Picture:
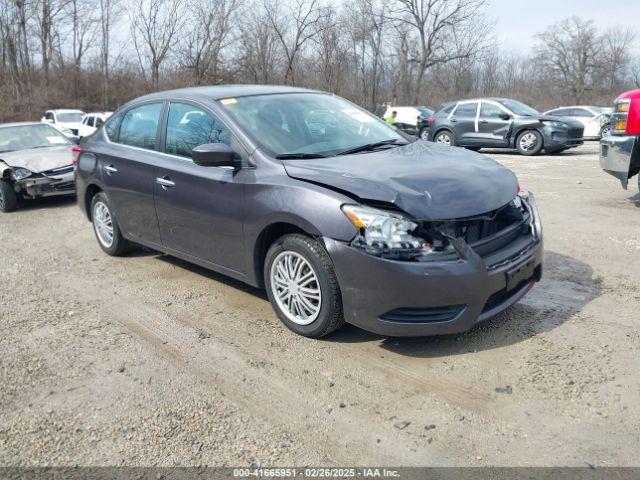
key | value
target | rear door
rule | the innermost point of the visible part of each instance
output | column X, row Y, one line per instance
column 199, row 208
column 463, row 122
column 128, row 170
column 492, row 129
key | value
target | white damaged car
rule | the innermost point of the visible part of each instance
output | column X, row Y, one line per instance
column 36, row 160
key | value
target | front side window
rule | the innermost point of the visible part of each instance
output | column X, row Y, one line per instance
column 189, row 126
column 489, row 110
column 140, row 126
column 307, row 123
column 466, row 110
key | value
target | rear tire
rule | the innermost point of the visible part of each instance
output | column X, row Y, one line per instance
column 445, row 137
column 8, row 197
column 105, row 226
column 529, row 142
column 605, row 131
column 302, row 286
column 424, row 133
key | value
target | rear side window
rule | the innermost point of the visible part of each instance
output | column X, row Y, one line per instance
column 140, row 126
column 189, row 126
column 466, row 110
column 112, row 127
column 581, row 112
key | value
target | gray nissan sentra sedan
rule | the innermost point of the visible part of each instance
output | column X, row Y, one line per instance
column 336, row 214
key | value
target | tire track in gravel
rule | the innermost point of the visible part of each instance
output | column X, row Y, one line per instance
column 266, row 396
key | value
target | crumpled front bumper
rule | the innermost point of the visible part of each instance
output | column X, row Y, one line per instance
column 45, row 186
column 398, row 298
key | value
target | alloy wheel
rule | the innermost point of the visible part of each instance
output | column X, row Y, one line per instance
column 296, row 287
column 424, row 135
column 103, row 224
column 444, row 139
column 605, row 131
column 528, row 142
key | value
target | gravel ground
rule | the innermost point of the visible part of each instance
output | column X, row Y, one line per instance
column 147, row 360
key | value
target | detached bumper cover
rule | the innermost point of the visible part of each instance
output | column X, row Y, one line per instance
column 561, row 138
column 45, row 186
column 620, row 157
column 399, row 298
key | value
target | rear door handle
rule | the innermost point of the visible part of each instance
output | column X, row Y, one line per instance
column 484, row 121
column 110, row 169
column 165, row 182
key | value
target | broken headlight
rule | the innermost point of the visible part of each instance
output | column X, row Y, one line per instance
column 386, row 234
column 21, row 173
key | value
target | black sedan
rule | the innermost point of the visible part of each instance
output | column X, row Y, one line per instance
column 503, row 123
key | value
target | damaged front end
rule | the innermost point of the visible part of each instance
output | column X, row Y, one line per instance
column 58, row 181
column 391, row 234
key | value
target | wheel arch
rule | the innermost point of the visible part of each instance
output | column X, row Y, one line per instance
column 521, row 130
column 268, row 236
column 91, row 191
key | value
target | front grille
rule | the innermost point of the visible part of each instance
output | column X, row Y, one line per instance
column 58, row 171
column 423, row 315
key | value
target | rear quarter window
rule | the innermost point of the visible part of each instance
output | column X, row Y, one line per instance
column 112, row 126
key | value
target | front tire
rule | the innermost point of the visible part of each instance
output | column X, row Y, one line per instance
column 445, row 137
column 8, row 197
column 529, row 142
column 605, row 131
column 106, row 227
column 302, row 286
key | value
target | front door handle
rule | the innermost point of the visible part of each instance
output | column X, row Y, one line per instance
column 454, row 120
column 110, row 169
column 165, row 182
column 484, row 121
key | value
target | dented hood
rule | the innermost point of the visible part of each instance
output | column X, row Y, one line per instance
column 39, row 159
column 424, row 179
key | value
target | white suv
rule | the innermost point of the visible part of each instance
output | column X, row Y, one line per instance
column 91, row 122
column 64, row 119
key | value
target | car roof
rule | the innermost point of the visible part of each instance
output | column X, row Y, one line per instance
column 219, row 92
column 65, row 110
column 20, row 124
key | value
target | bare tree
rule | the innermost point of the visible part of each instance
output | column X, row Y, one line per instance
column 83, row 33
column 295, row 24
column 445, row 30
column 569, row 51
column 260, row 52
column 616, row 53
column 110, row 11
column 155, row 25
column 211, row 33
column 47, row 14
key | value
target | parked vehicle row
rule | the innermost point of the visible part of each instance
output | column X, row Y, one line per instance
column 503, row 123
column 75, row 124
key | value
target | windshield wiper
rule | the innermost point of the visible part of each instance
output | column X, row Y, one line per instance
column 299, row 155
column 370, row 146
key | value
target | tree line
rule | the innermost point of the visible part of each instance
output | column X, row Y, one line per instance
column 97, row 54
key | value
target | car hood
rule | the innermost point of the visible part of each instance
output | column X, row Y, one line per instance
column 426, row 180
column 569, row 121
column 39, row 159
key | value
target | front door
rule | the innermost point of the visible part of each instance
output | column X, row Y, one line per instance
column 492, row 128
column 128, row 171
column 199, row 208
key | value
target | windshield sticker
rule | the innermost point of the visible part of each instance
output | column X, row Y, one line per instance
column 228, row 101
column 358, row 115
column 59, row 140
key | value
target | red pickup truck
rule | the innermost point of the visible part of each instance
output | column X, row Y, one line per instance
column 620, row 151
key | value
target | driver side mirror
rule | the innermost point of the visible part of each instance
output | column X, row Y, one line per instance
column 505, row 116
column 215, row 155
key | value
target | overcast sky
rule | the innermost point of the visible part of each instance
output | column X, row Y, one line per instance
column 517, row 21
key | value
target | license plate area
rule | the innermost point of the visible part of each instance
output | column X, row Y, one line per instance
column 521, row 272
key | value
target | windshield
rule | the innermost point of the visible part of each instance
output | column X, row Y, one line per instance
column 24, row 137
column 73, row 117
column 519, row 108
column 307, row 123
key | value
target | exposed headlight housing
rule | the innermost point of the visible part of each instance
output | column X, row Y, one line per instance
column 386, row 234
column 21, row 173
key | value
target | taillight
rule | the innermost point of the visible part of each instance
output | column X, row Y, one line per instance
column 620, row 116
column 75, row 153
column 431, row 120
